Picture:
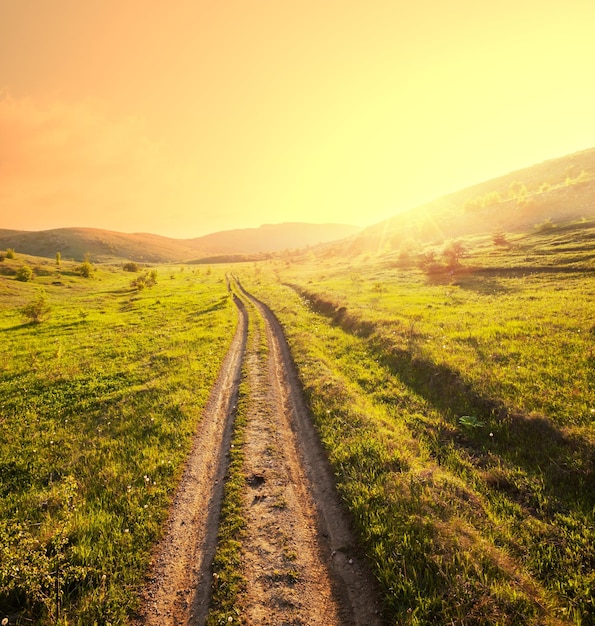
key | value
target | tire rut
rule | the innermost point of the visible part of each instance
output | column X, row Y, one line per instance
column 299, row 557
column 179, row 584
column 334, row 570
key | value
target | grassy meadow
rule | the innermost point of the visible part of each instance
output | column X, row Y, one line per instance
column 98, row 404
column 456, row 403
column 457, row 406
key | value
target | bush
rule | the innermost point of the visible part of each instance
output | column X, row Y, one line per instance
column 148, row 279
column 9, row 253
column 24, row 273
column 86, row 269
column 131, row 266
column 546, row 225
column 453, row 252
column 38, row 309
column 427, row 261
column 499, row 239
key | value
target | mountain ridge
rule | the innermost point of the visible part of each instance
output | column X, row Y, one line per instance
column 104, row 245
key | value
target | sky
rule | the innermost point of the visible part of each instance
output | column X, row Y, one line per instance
column 187, row 117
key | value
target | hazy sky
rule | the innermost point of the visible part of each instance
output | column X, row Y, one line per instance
column 186, row 117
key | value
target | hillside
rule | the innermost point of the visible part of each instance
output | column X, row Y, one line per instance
column 557, row 190
column 104, row 245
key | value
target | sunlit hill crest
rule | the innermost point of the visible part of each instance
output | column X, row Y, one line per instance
column 557, row 190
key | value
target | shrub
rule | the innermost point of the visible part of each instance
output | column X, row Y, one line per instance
column 427, row 261
column 38, row 309
column 24, row 273
column 58, row 258
column 131, row 266
column 499, row 239
column 148, row 279
column 545, row 225
column 86, row 269
column 517, row 190
column 9, row 253
column 453, row 252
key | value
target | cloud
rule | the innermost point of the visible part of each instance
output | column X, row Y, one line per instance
column 69, row 164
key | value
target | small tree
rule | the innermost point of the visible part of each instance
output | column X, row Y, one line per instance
column 24, row 273
column 9, row 253
column 38, row 309
column 427, row 261
column 453, row 252
column 58, row 258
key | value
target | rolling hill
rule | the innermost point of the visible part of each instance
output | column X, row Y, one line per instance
column 105, row 245
column 556, row 190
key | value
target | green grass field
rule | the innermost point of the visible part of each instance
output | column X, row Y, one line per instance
column 98, row 404
column 458, row 412
column 457, row 407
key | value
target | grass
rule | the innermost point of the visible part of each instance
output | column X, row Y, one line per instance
column 228, row 576
column 98, row 405
column 456, row 407
column 458, row 417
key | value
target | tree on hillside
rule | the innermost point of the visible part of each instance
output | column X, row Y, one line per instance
column 453, row 252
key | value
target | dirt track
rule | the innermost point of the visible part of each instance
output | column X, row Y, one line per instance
column 299, row 558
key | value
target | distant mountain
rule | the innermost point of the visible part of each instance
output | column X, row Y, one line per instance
column 272, row 238
column 105, row 245
column 558, row 190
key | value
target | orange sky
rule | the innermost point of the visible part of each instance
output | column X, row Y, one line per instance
column 187, row 117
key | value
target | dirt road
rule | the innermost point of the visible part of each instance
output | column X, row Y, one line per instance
column 298, row 555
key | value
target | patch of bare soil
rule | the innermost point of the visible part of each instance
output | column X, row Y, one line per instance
column 287, row 580
column 180, row 581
